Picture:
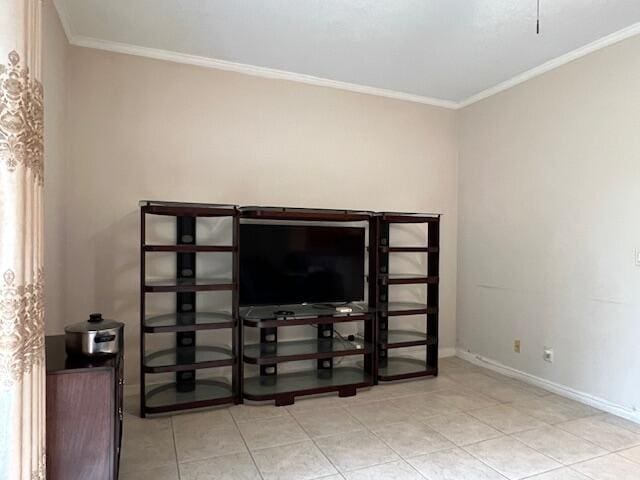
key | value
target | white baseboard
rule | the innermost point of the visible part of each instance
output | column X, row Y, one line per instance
column 553, row 387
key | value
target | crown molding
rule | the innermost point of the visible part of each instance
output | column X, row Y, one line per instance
column 166, row 55
column 169, row 56
column 256, row 71
column 64, row 19
column 603, row 42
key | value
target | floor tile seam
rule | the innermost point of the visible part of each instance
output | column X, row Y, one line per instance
column 344, row 410
column 571, row 434
column 403, row 457
column 175, row 447
column 385, row 463
column 244, row 441
column 607, row 452
column 458, row 447
column 322, row 452
column 635, row 444
column 560, row 464
column 238, row 422
column 630, row 459
column 496, row 428
column 477, row 419
column 146, row 469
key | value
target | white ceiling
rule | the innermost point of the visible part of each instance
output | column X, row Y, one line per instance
column 436, row 51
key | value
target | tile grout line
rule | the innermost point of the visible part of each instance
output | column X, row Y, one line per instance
column 454, row 446
column 503, row 435
column 318, row 446
column 175, row 447
column 402, row 458
column 246, row 446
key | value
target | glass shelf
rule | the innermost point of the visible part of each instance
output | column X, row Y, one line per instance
column 167, row 398
column 400, row 217
column 406, row 278
column 188, row 284
column 187, row 322
column 272, row 316
column 188, row 248
column 299, row 311
column 408, row 249
column 270, row 353
column 311, row 381
column 403, row 367
column 187, row 358
column 403, row 308
column 405, row 338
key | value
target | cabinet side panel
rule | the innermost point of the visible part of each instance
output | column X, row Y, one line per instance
column 80, row 422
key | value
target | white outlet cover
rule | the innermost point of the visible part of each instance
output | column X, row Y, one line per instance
column 548, row 355
column 637, row 255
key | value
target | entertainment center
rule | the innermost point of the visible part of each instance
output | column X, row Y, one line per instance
column 290, row 269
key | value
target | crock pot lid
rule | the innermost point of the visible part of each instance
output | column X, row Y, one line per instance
column 94, row 324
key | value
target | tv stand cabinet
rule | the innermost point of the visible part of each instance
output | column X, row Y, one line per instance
column 270, row 353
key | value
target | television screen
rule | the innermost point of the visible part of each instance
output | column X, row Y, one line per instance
column 293, row 264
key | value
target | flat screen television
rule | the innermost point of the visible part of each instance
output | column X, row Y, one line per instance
column 295, row 264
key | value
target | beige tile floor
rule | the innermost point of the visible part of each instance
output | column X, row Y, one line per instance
column 467, row 424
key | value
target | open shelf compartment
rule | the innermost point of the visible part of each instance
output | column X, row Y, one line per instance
column 188, row 285
column 400, row 368
column 188, row 358
column 283, row 387
column 294, row 350
column 405, row 338
column 395, row 309
column 207, row 392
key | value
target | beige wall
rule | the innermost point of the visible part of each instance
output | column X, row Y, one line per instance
column 55, row 50
column 548, row 224
column 150, row 129
column 546, row 189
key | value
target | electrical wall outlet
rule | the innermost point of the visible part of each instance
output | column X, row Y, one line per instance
column 547, row 355
column 637, row 255
column 516, row 346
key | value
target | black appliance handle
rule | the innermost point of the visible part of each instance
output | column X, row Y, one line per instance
column 104, row 338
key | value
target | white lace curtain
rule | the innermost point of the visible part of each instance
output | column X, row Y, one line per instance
column 22, row 375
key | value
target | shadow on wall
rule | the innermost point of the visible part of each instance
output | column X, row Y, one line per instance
column 116, row 276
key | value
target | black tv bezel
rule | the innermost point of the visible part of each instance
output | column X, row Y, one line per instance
column 361, row 230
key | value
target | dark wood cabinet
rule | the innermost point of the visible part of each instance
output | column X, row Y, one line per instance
column 84, row 414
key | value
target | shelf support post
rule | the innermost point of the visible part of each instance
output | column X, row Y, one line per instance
column 186, row 302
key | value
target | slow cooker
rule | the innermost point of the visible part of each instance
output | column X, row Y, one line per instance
column 94, row 337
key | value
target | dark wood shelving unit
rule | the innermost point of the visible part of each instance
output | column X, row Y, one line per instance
column 392, row 367
column 188, row 357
